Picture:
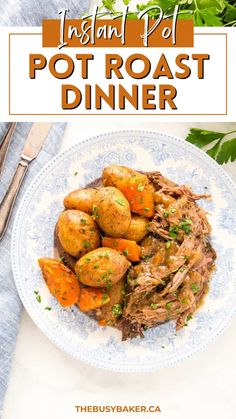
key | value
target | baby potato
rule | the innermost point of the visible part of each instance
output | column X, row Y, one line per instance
column 112, row 211
column 77, row 232
column 113, row 175
column 101, row 268
column 81, row 199
column 138, row 229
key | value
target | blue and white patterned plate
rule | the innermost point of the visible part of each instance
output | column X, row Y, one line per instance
column 73, row 331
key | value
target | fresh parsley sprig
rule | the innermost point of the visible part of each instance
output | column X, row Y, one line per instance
column 203, row 12
column 220, row 148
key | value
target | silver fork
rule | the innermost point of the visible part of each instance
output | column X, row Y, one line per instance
column 5, row 144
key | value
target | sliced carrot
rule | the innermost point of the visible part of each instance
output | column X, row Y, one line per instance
column 128, row 247
column 92, row 298
column 102, row 322
column 61, row 281
column 134, row 185
column 140, row 197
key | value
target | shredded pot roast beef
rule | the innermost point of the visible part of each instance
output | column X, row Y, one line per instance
column 177, row 262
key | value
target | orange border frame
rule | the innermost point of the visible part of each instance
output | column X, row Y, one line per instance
column 116, row 114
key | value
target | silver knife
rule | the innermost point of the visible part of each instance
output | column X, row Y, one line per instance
column 32, row 147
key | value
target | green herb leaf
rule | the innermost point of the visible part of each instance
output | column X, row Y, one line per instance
column 227, row 152
column 173, row 232
column 86, row 244
column 214, row 150
column 153, row 306
column 140, row 188
column 145, row 257
column 168, row 244
column 185, row 225
column 195, row 288
column 120, row 201
column 48, row 308
column 222, row 151
column 109, row 4
column 201, row 138
column 126, row 252
column 169, row 305
column 117, row 310
column 104, row 298
column 38, row 298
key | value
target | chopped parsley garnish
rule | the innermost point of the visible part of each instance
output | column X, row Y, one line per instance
column 36, row 292
column 38, row 298
column 185, row 225
column 106, row 255
column 76, row 173
column 129, row 279
column 109, row 285
column 62, row 259
column 169, row 305
column 105, row 298
column 145, row 257
column 83, row 221
column 173, row 232
column 140, row 188
column 165, row 213
column 153, row 306
column 87, row 259
column 126, row 252
column 195, row 288
column 168, row 244
column 96, row 265
column 87, row 245
column 146, row 209
column 95, row 213
column 48, row 308
column 172, row 210
column 120, row 201
column 189, row 317
column 117, row 310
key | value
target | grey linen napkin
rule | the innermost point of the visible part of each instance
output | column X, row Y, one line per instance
column 10, row 305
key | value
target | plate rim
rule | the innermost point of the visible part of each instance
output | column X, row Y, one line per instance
column 41, row 324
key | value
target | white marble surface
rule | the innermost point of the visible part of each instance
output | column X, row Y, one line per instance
column 45, row 383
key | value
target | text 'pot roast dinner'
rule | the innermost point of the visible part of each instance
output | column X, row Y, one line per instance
column 134, row 251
